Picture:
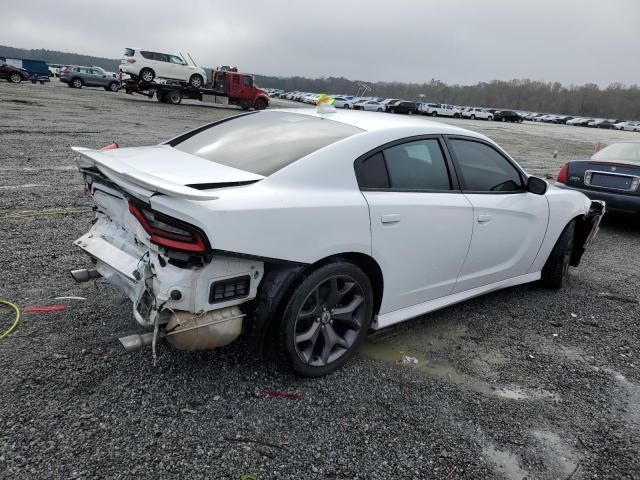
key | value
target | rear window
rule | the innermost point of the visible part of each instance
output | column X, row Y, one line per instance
column 629, row 152
column 263, row 142
column 129, row 52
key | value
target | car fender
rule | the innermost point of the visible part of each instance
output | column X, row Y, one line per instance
column 564, row 206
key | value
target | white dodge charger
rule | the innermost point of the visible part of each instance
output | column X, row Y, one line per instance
column 301, row 230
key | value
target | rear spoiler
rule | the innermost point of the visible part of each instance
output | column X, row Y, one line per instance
column 117, row 171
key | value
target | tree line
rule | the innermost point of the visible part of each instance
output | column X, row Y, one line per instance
column 615, row 101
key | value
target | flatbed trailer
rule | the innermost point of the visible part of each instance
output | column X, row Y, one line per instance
column 238, row 88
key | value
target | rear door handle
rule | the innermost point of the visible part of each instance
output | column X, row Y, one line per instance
column 484, row 218
column 390, row 218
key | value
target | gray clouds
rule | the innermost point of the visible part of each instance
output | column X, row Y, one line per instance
column 457, row 41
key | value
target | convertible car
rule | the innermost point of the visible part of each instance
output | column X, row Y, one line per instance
column 300, row 231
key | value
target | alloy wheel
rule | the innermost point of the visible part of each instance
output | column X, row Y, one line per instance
column 329, row 321
column 15, row 78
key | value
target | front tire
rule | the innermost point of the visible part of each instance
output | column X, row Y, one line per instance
column 325, row 319
column 15, row 77
column 346, row 105
column 557, row 265
column 434, row 114
column 473, row 117
column 260, row 104
column 77, row 83
column 114, row 87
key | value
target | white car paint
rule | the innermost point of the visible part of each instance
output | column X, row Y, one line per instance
column 442, row 110
column 171, row 66
column 477, row 113
column 434, row 249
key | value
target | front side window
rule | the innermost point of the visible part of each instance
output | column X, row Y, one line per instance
column 175, row 59
column 484, row 169
column 263, row 142
column 248, row 81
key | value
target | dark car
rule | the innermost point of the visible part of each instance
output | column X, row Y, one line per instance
column 13, row 74
column 506, row 116
column 78, row 77
column 612, row 175
column 403, row 107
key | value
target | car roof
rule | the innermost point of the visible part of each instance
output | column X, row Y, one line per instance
column 372, row 121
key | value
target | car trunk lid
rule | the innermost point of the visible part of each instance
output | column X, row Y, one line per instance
column 603, row 174
column 162, row 169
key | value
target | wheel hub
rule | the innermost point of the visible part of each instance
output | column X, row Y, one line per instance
column 326, row 317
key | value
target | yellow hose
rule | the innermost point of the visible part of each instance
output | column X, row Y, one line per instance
column 15, row 322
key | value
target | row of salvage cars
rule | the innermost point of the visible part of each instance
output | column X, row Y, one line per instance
column 300, row 231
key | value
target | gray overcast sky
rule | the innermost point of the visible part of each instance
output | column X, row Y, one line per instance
column 457, row 41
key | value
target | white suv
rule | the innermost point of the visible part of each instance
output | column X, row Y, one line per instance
column 148, row 65
column 475, row 112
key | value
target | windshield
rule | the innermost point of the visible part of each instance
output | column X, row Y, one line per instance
column 263, row 142
column 629, row 152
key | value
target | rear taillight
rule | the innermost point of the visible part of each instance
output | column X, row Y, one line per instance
column 169, row 232
column 111, row 146
column 131, row 60
column 563, row 173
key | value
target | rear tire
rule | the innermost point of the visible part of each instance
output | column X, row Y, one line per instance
column 346, row 105
column 15, row 77
column 147, row 75
column 434, row 114
column 325, row 319
column 196, row 81
column 473, row 117
column 557, row 265
column 174, row 97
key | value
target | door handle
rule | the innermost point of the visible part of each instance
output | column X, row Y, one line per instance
column 484, row 218
column 390, row 218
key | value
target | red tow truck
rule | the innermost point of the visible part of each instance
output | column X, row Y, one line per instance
column 238, row 88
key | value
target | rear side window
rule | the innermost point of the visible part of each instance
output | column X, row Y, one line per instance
column 147, row 55
column 263, row 142
column 417, row 165
column 129, row 52
column 413, row 166
column 484, row 169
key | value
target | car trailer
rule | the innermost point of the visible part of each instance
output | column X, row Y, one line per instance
column 238, row 88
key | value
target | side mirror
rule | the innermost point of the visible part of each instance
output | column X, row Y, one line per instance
column 537, row 186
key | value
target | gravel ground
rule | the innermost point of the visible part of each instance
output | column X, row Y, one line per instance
column 520, row 383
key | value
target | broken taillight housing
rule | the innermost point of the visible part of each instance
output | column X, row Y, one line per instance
column 111, row 146
column 169, row 232
column 563, row 173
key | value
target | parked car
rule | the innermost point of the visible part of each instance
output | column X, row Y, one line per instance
column 612, row 175
column 506, row 116
column 369, row 105
column 403, row 107
column 13, row 74
column 601, row 123
column 443, row 110
column 78, row 77
column 175, row 229
column 627, row 126
column 342, row 102
column 477, row 113
column 148, row 65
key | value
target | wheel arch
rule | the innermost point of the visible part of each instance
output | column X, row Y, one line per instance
column 279, row 281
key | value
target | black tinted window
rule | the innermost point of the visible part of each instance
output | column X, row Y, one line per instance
column 129, row 52
column 417, row 165
column 248, row 81
column 483, row 169
column 372, row 173
column 263, row 142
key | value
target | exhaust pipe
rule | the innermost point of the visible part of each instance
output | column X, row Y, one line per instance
column 84, row 275
column 133, row 343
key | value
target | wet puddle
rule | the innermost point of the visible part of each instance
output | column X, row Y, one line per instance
column 437, row 367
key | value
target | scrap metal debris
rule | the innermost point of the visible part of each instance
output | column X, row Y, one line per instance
column 407, row 360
